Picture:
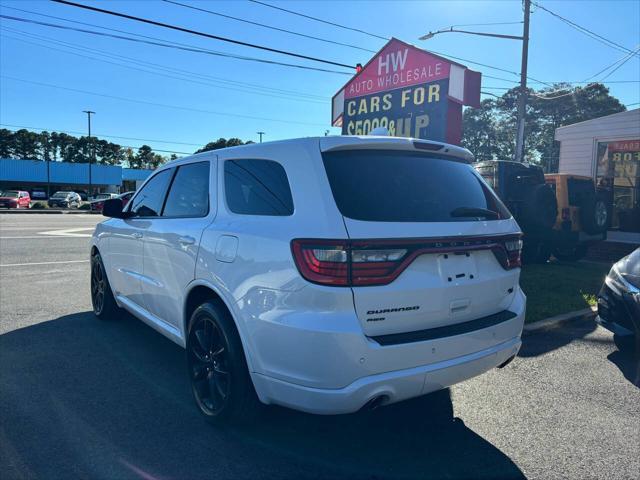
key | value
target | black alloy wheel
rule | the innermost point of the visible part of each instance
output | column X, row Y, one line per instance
column 217, row 368
column 98, row 285
column 209, row 365
column 104, row 305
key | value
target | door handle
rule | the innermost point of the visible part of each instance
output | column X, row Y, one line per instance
column 187, row 240
column 136, row 235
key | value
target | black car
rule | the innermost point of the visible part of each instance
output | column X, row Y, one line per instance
column 619, row 298
column 65, row 200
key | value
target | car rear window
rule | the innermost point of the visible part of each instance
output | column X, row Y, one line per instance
column 394, row 186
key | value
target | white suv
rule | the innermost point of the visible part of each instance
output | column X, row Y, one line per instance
column 323, row 274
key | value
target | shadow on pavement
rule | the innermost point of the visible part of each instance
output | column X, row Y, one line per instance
column 557, row 336
column 627, row 357
column 90, row 399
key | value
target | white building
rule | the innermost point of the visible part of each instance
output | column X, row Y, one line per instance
column 608, row 149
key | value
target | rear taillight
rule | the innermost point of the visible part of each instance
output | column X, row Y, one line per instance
column 379, row 262
column 514, row 252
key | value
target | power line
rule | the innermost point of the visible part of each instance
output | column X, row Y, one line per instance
column 586, row 31
column 144, row 102
column 320, row 20
column 187, row 74
column 234, row 82
column 174, row 45
column 202, row 34
column 268, row 26
column 622, row 62
column 103, row 135
column 520, row 22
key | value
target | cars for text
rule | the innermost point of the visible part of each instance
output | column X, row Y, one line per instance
column 322, row 274
column 15, row 199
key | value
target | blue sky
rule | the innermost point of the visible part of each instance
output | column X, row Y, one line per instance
column 259, row 94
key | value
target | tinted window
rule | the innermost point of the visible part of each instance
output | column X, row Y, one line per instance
column 387, row 186
column 257, row 187
column 148, row 202
column 189, row 192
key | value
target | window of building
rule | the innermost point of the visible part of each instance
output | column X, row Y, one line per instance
column 618, row 169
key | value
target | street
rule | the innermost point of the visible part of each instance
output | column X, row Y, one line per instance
column 81, row 398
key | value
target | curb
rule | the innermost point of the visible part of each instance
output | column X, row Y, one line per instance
column 565, row 317
column 47, row 212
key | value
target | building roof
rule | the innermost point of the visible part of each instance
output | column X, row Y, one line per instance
column 629, row 114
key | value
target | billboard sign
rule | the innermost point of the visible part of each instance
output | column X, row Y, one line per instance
column 409, row 91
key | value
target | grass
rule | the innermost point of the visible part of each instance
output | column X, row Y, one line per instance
column 556, row 288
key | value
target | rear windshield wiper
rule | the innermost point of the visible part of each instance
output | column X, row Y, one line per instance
column 473, row 212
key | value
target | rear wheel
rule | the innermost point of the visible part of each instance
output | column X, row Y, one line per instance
column 595, row 214
column 220, row 381
column 104, row 305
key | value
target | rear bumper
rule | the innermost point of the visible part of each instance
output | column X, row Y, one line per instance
column 391, row 386
column 340, row 372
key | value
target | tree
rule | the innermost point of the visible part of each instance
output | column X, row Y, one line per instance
column 221, row 143
column 26, row 144
column 489, row 132
column 6, row 143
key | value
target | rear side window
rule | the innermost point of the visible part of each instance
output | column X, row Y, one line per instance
column 148, row 201
column 393, row 186
column 189, row 192
column 257, row 187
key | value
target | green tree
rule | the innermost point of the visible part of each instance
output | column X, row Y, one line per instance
column 489, row 132
column 6, row 143
column 220, row 143
column 26, row 145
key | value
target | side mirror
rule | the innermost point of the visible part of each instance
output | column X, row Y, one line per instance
column 113, row 208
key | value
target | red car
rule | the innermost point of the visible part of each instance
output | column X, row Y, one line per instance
column 96, row 206
column 15, row 199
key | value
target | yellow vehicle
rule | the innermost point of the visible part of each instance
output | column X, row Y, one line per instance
column 584, row 214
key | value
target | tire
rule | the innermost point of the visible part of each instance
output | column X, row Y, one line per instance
column 104, row 305
column 539, row 208
column 571, row 253
column 595, row 214
column 217, row 368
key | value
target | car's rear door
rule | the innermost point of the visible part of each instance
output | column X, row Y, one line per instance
column 421, row 214
column 172, row 239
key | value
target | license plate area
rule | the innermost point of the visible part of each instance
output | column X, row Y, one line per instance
column 457, row 268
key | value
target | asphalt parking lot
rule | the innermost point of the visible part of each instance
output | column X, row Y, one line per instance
column 80, row 398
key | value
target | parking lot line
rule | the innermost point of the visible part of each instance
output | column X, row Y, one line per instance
column 41, row 263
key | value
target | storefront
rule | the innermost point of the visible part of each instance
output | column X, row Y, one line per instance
column 608, row 149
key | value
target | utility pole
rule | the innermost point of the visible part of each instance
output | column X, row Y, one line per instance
column 89, row 113
column 261, row 134
column 522, row 99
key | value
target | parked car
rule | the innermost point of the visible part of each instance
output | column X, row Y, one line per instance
column 584, row 215
column 64, row 200
column 619, row 298
column 97, row 205
column 522, row 188
column 322, row 274
column 15, row 199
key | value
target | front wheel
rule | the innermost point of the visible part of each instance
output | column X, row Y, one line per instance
column 220, row 381
column 104, row 305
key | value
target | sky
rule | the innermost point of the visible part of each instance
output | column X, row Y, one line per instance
column 179, row 100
